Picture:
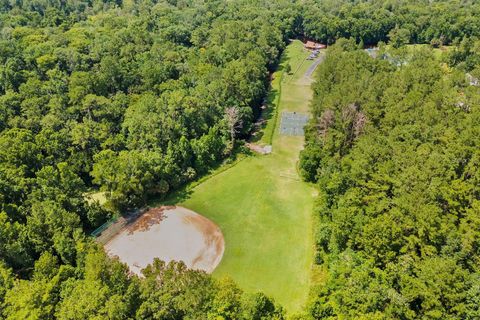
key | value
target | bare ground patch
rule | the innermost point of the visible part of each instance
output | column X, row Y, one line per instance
column 169, row 233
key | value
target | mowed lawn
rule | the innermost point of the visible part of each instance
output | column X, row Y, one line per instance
column 264, row 209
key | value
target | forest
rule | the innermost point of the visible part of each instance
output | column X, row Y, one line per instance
column 136, row 98
column 395, row 154
column 129, row 98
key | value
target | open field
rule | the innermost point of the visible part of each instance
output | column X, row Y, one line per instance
column 437, row 52
column 262, row 207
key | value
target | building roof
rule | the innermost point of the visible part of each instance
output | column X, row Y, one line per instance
column 314, row 45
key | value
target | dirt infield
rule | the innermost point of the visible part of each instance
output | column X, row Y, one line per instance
column 169, row 233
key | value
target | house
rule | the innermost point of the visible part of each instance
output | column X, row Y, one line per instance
column 311, row 45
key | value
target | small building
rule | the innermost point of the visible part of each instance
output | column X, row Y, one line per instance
column 311, row 45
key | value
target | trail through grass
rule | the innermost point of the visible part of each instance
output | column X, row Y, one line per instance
column 261, row 205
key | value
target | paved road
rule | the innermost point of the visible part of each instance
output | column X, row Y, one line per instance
column 312, row 68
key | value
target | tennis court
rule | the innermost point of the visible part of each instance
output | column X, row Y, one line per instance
column 292, row 123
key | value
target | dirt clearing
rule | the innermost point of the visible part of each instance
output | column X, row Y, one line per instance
column 169, row 233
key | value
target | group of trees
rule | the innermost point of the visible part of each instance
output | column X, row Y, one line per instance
column 138, row 97
column 412, row 21
column 394, row 151
column 145, row 86
column 102, row 288
column 135, row 98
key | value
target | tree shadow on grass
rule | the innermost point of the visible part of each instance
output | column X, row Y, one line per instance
column 173, row 198
column 184, row 192
column 266, row 116
column 271, row 104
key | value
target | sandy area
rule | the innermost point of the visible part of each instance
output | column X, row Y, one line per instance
column 169, row 233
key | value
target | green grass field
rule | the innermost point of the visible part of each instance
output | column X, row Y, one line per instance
column 437, row 52
column 262, row 206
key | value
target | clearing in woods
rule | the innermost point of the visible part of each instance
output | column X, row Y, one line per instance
column 261, row 205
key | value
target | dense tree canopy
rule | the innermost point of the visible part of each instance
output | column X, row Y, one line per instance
column 368, row 22
column 394, row 151
column 138, row 97
column 101, row 288
column 132, row 98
